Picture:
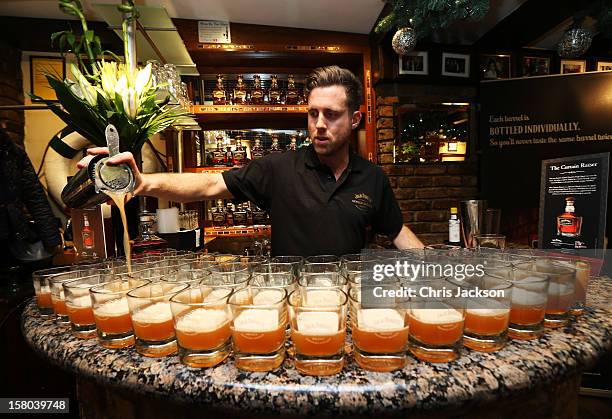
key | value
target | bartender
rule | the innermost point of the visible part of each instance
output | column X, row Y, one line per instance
column 322, row 199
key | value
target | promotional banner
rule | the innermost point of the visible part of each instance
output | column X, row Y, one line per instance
column 525, row 121
column 573, row 198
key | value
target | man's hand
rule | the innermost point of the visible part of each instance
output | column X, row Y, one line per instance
column 122, row 158
column 407, row 240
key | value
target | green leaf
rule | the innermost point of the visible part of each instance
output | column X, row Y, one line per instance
column 89, row 35
column 71, row 38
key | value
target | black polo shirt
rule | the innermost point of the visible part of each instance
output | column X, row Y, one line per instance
column 311, row 212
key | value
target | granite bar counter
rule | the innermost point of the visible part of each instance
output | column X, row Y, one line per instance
column 525, row 379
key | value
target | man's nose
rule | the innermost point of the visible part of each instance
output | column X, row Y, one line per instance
column 320, row 122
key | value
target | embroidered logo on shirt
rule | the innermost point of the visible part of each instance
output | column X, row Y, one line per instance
column 362, row 201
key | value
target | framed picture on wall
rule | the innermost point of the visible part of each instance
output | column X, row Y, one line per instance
column 414, row 63
column 455, row 65
column 494, row 67
column 573, row 66
column 535, row 66
column 39, row 68
column 604, row 65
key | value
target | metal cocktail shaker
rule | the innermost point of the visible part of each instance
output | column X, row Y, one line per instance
column 87, row 188
column 472, row 220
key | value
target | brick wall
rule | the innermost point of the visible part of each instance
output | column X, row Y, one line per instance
column 425, row 192
column 11, row 92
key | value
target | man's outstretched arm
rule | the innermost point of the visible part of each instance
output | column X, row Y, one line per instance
column 406, row 239
column 177, row 187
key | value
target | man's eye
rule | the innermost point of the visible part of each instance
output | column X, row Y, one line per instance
column 330, row 115
column 313, row 113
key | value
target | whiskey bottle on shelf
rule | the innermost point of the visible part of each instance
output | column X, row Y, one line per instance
column 249, row 213
column 293, row 96
column 275, row 148
column 240, row 156
column 218, row 156
column 217, row 214
column 240, row 92
column 260, row 217
column 147, row 241
column 219, row 95
column 240, row 216
column 293, row 144
column 229, row 215
column 274, row 93
column 257, row 151
column 257, row 92
column 568, row 224
column 229, row 156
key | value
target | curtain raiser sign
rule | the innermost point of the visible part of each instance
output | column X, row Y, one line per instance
column 525, row 121
column 573, row 197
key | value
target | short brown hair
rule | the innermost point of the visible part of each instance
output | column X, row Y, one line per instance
column 333, row 76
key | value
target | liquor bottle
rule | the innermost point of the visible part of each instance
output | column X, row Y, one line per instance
column 568, row 224
column 257, row 151
column 275, row 148
column 293, row 145
column 257, row 93
column 292, row 97
column 240, row 216
column 274, row 93
column 219, row 95
column 454, row 227
column 260, row 217
column 218, row 214
column 229, row 215
column 249, row 213
column 218, row 156
column 88, row 238
column 229, row 156
column 240, row 92
column 240, row 157
column 147, row 241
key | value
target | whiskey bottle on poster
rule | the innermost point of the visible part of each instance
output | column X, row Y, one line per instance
column 568, row 223
column 240, row 156
column 274, row 93
column 219, row 95
column 257, row 92
column 240, row 92
column 275, row 148
column 257, row 151
column 293, row 144
column 218, row 156
column 218, row 214
column 87, row 235
column 292, row 97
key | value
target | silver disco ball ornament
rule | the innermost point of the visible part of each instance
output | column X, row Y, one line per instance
column 404, row 41
column 574, row 43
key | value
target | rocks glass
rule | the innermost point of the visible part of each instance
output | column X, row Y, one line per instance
column 529, row 298
column 79, row 306
column 152, row 318
column 112, row 313
column 379, row 330
column 259, row 321
column 202, row 323
column 318, row 330
column 42, row 289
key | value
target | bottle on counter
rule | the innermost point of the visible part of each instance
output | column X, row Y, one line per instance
column 257, row 92
column 274, row 93
column 147, row 241
column 454, row 228
column 240, row 92
column 219, row 94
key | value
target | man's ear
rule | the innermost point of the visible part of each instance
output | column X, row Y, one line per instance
column 355, row 119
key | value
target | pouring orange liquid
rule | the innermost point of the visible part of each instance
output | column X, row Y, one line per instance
column 119, row 199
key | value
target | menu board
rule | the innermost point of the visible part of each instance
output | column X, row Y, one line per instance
column 573, row 198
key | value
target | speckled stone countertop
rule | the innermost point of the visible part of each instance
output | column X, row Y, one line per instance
column 473, row 378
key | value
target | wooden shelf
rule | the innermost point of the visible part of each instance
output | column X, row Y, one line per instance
column 237, row 231
column 247, row 109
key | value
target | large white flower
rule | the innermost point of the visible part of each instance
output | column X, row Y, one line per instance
column 143, row 80
column 85, row 90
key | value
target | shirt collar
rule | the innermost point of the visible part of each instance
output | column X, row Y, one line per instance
column 312, row 160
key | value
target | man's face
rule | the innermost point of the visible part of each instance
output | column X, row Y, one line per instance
column 329, row 120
